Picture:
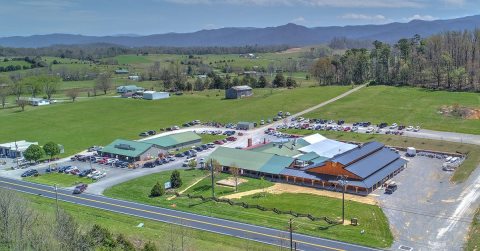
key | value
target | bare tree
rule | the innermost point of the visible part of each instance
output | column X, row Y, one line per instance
column 22, row 103
column 50, row 84
column 103, row 82
column 3, row 96
column 235, row 171
column 17, row 89
column 73, row 93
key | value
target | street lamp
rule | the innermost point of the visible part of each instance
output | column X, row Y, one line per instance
column 342, row 180
column 56, row 196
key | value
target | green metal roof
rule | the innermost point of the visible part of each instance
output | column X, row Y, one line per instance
column 308, row 156
column 174, row 139
column 282, row 149
column 251, row 160
column 127, row 148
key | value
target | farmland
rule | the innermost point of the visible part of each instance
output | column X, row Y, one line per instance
column 409, row 106
column 371, row 217
column 98, row 121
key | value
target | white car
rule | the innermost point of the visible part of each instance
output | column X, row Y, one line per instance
column 409, row 128
column 416, row 129
column 370, row 130
column 99, row 176
column 94, row 173
column 354, row 129
column 393, row 126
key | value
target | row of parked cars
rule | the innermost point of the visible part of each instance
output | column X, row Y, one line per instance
column 172, row 128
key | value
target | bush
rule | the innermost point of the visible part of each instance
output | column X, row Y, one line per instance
column 150, row 246
column 124, row 244
column 175, row 179
column 157, row 190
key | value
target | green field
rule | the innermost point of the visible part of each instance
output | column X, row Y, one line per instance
column 460, row 175
column 154, row 231
column 98, row 121
column 371, row 218
column 473, row 239
column 61, row 179
column 409, row 106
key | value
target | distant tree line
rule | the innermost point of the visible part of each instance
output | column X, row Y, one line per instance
column 446, row 61
column 34, row 63
column 94, row 52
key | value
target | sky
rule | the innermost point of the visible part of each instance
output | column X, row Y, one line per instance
column 143, row 17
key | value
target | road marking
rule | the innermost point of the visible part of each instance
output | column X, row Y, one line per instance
column 176, row 217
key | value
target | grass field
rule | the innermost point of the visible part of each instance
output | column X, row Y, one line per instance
column 409, row 106
column 461, row 174
column 473, row 241
column 61, row 179
column 371, row 218
column 154, row 231
column 99, row 121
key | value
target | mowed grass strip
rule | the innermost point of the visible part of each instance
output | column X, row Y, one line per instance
column 61, row 179
column 160, row 233
column 461, row 173
column 473, row 239
column 403, row 105
column 371, row 218
column 99, row 121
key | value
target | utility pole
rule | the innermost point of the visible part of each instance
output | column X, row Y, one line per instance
column 213, row 178
column 343, row 181
column 290, row 229
column 56, row 196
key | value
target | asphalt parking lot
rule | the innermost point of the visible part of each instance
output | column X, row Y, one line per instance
column 424, row 204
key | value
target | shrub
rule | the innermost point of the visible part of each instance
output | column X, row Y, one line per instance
column 157, row 190
column 175, row 179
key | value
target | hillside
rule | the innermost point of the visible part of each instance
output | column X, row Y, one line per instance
column 289, row 34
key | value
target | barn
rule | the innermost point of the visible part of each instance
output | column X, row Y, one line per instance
column 237, row 92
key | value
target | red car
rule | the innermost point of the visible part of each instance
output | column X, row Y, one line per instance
column 80, row 189
column 219, row 142
column 346, row 129
column 231, row 138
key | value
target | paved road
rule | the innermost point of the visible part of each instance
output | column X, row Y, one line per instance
column 225, row 227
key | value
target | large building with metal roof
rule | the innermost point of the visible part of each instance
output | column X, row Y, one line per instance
column 129, row 150
column 365, row 167
column 176, row 140
column 15, row 149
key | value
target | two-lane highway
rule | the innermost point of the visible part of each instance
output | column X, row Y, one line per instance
column 220, row 226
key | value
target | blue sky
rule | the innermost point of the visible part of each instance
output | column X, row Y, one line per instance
column 110, row 17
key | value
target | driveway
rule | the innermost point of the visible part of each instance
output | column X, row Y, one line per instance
column 427, row 212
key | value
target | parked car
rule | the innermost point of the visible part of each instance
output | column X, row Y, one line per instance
column 393, row 126
column 29, row 173
column 416, row 129
column 143, row 134
column 93, row 173
column 84, row 173
column 409, row 128
column 99, row 176
column 391, row 188
column 382, row 125
column 149, row 165
column 370, row 130
column 152, row 132
column 51, row 169
column 218, row 142
column 231, row 138
column 80, row 189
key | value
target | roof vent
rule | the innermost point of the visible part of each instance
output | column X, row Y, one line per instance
column 125, row 147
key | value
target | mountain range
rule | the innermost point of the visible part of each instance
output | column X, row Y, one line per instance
column 289, row 34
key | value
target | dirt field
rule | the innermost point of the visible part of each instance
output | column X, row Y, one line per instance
column 230, row 182
column 279, row 188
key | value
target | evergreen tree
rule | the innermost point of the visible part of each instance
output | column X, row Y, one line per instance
column 175, row 179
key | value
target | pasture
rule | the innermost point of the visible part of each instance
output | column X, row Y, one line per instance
column 98, row 121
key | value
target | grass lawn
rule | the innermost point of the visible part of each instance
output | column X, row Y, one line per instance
column 371, row 218
column 61, row 179
column 208, row 138
column 473, row 242
column 98, row 121
column 204, row 187
column 460, row 175
column 154, row 231
column 403, row 105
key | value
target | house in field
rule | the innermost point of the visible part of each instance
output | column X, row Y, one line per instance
column 237, row 92
column 153, row 95
column 121, row 71
column 245, row 125
column 38, row 101
column 134, row 77
column 129, row 89
column 15, row 149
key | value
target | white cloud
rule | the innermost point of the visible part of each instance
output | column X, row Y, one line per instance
column 420, row 17
column 371, row 18
column 315, row 3
column 299, row 20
